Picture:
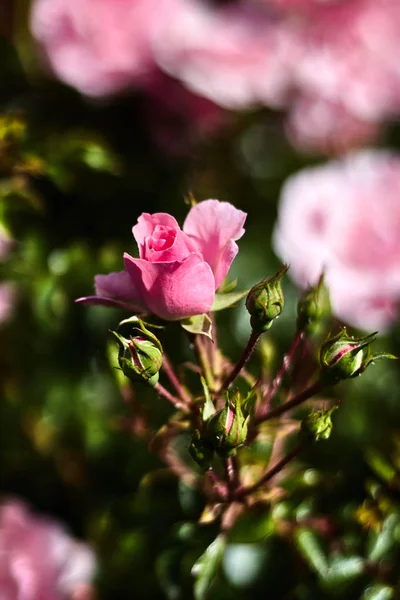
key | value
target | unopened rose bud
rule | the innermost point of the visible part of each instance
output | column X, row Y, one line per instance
column 227, row 428
column 312, row 307
column 344, row 357
column 140, row 357
column 265, row 301
column 317, row 425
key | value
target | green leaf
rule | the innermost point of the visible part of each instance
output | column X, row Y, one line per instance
column 229, row 287
column 198, row 325
column 206, row 567
column 254, row 525
column 378, row 592
column 382, row 542
column 310, row 548
column 223, row 301
column 344, row 569
column 208, row 408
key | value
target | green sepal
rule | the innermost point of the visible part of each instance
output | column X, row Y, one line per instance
column 227, row 299
column 208, row 408
column 198, row 325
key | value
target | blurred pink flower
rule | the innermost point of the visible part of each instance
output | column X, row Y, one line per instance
column 38, row 559
column 344, row 218
column 349, row 56
column 317, row 125
column 237, row 56
column 101, row 46
column 178, row 270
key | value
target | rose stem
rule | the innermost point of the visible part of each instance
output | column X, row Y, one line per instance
column 251, row 346
column 244, row 491
column 285, row 366
column 202, row 357
column 218, row 485
column 232, row 473
column 180, row 390
column 160, row 389
column 279, row 410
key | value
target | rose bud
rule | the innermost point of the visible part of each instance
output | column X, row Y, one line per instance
column 265, row 301
column 312, row 307
column 227, row 428
column 344, row 357
column 317, row 425
column 140, row 357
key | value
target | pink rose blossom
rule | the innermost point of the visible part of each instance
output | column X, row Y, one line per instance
column 348, row 56
column 99, row 46
column 236, row 56
column 344, row 218
column 38, row 559
column 178, row 270
column 317, row 125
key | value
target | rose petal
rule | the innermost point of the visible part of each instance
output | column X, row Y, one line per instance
column 145, row 227
column 174, row 290
column 117, row 285
column 115, row 289
column 213, row 226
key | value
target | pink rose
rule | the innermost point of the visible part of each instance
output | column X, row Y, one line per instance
column 178, row 270
column 38, row 559
column 235, row 55
column 99, row 46
column 317, row 125
column 344, row 218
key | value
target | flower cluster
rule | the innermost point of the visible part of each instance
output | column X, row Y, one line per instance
column 328, row 63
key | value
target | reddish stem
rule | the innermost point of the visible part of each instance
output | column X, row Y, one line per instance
column 285, row 366
column 251, row 346
column 244, row 491
column 279, row 410
column 172, row 376
column 160, row 389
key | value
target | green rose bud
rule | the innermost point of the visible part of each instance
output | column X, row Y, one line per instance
column 265, row 301
column 344, row 357
column 227, row 428
column 317, row 425
column 140, row 357
column 312, row 307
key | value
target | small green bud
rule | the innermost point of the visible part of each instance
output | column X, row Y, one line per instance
column 312, row 307
column 201, row 450
column 227, row 428
column 344, row 357
column 140, row 357
column 317, row 425
column 265, row 301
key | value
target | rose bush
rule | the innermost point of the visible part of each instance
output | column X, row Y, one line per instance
column 178, row 270
column 38, row 559
column 344, row 218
